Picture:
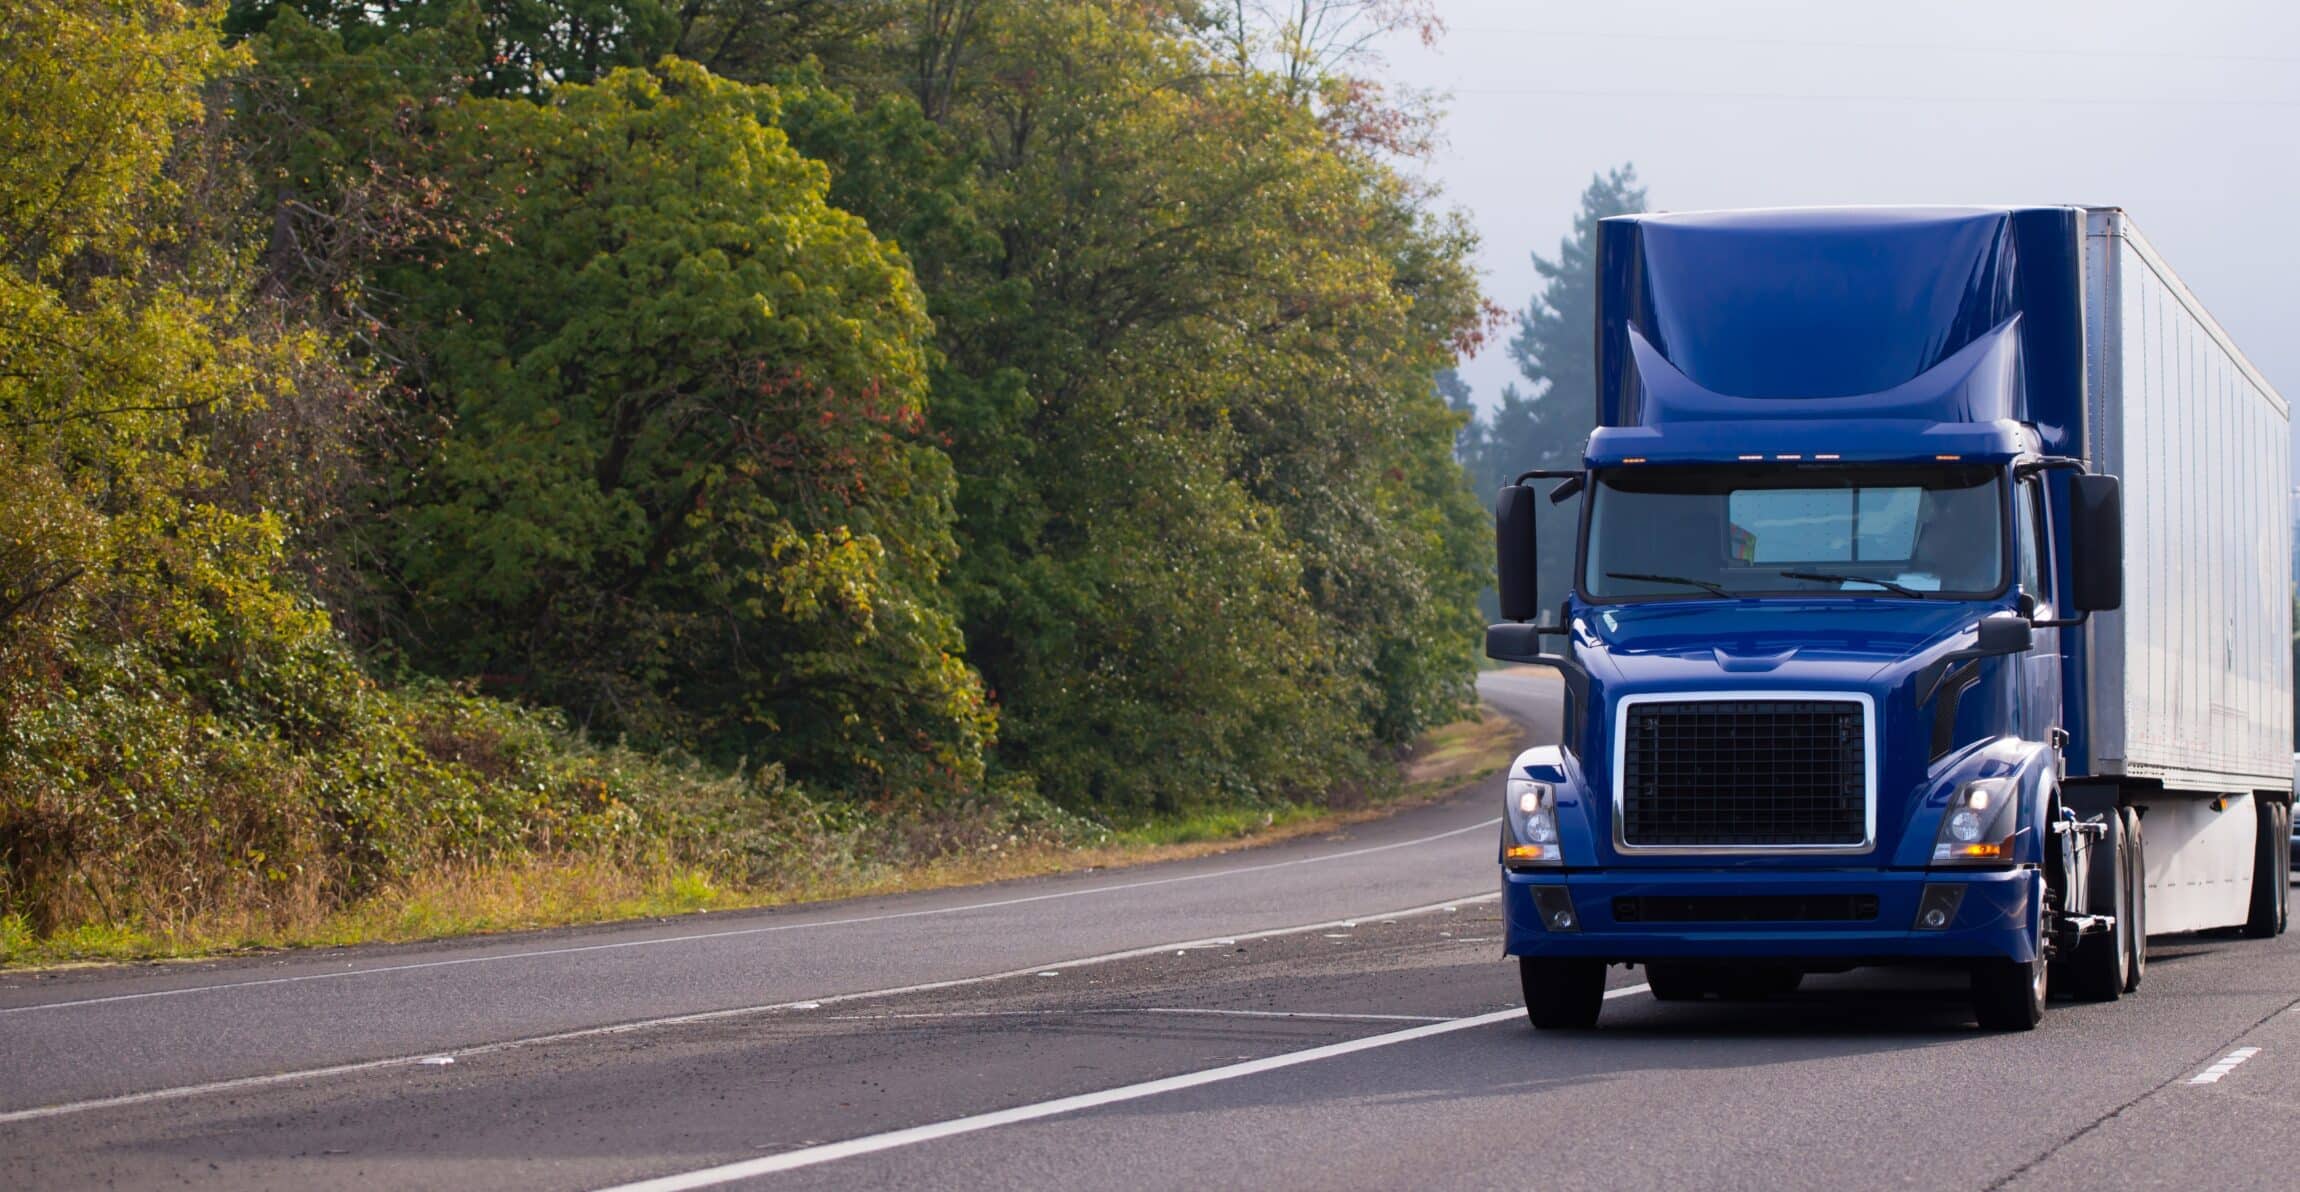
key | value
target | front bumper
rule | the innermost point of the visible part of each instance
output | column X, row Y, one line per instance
column 1997, row 917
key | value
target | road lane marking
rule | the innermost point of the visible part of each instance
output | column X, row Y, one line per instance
column 761, row 930
column 870, row 1144
column 2226, row 1064
column 1311, row 1014
column 1107, row 1011
column 594, row 1032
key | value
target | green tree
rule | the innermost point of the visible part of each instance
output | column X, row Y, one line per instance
column 528, row 47
column 1211, row 542
column 680, row 484
column 127, row 343
column 1214, row 544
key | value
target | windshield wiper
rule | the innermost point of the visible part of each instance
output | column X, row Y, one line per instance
column 1704, row 585
column 1826, row 577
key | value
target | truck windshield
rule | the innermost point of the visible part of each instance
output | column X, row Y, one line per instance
column 1699, row 532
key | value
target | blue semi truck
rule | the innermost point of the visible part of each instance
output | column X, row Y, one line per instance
column 1929, row 606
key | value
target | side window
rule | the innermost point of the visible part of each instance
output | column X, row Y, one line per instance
column 2031, row 541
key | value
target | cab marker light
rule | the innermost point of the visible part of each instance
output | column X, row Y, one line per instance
column 1750, row 457
column 1788, row 457
column 1948, row 458
column 1830, row 455
column 1633, row 459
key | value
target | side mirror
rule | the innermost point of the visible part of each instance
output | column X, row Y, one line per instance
column 2002, row 633
column 2096, row 548
column 1513, row 548
column 1514, row 641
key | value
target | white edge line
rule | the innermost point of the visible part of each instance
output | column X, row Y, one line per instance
column 743, row 931
column 1121, row 1011
column 273, row 1078
column 872, row 1143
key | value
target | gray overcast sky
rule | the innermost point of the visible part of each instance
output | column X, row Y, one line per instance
column 2183, row 112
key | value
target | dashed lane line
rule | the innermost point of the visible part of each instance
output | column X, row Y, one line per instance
column 731, row 933
column 870, row 1144
column 2224, row 1066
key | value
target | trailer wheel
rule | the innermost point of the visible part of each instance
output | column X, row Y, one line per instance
column 1562, row 995
column 2100, row 970
column 2269, row 855
column 2283, row 868
column 2135, row 898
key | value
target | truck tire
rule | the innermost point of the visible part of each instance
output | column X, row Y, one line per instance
column 1676, row 982
column 2100, row 969
column 2269, row 855
column 2135, row 898
column 2283, row 868
column 2007, row 995
column 1562, row 995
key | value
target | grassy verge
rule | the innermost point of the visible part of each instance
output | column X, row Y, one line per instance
column 453, row 899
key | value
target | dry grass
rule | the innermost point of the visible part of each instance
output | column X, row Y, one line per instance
column 571, row 890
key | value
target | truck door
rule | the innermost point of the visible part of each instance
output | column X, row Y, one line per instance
column 2039, row 669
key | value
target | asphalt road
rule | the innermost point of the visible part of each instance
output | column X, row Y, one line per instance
column 1330, row 1013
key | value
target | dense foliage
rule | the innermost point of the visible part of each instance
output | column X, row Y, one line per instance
column 182, row 733
column 912, row 403
column 1214, row 546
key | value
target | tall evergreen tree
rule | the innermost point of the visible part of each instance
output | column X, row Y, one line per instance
column 1469, row 437
column 1546, row 424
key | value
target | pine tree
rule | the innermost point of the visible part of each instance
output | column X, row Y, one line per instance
column 1547, row 423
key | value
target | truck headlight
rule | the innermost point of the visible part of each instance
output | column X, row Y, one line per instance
column 1980, row 825
column 1533, row 822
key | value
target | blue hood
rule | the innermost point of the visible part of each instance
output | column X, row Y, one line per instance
column 1835, row 641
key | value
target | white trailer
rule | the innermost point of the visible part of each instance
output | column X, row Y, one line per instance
column 2189, row 685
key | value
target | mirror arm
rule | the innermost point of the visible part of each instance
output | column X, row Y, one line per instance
column 2048, row 463
column 2062, row 622
column 1574, row 480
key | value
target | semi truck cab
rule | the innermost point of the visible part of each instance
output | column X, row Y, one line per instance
column 1836, row 645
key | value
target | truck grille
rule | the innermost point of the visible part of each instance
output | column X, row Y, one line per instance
column 1744, row 773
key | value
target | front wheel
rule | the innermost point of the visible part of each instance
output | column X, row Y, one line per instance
column 2008, row 995
column 1562, row 995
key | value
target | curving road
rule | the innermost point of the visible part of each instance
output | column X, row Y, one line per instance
column 1329, row 1012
